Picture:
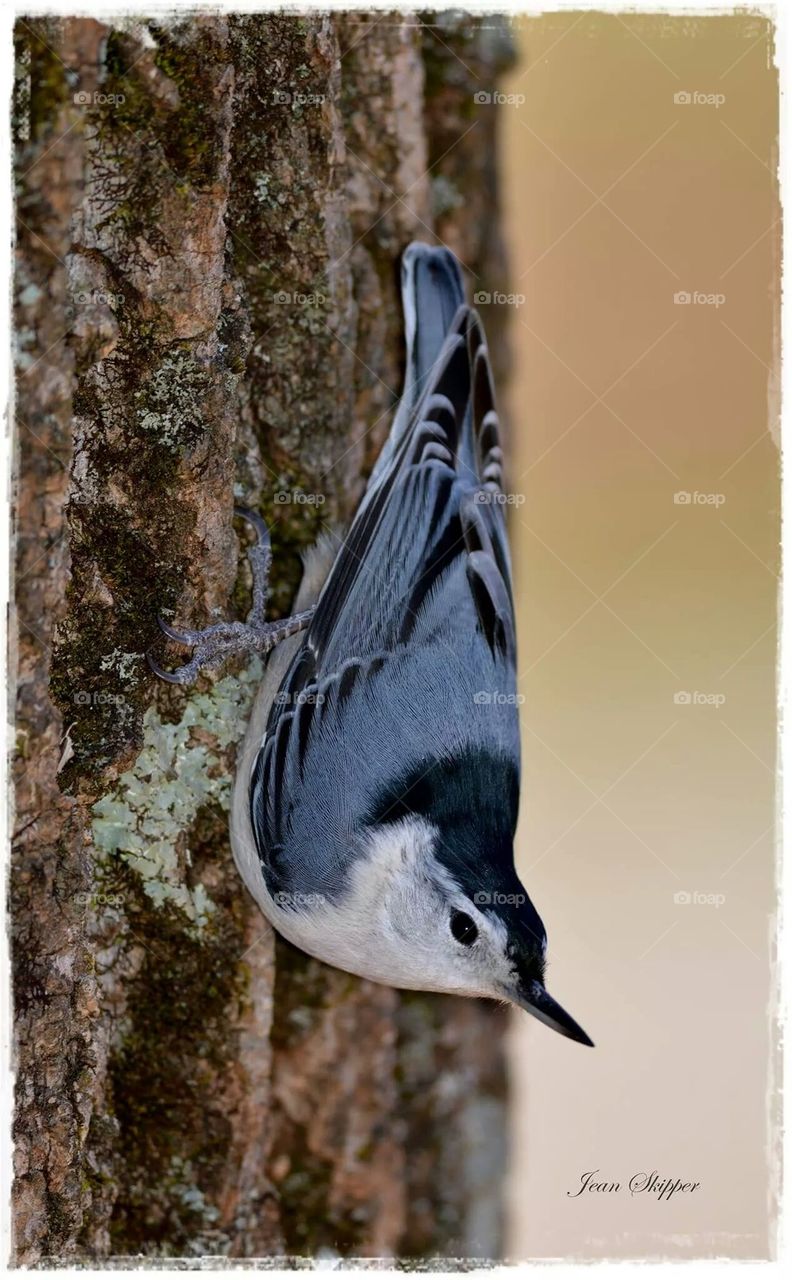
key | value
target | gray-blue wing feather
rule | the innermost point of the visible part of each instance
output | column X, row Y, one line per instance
column 410, row 657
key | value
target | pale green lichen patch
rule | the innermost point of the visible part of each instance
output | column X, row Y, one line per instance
column 446, row 197
column 124, row 664
column 171, row 406
column 181, row 769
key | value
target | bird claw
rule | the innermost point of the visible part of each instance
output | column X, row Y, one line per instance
column 172, row 677
column 259, row 524
column 179, row 637
column 222, row 640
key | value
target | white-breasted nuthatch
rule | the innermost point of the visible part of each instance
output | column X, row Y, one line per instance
column 377, row 789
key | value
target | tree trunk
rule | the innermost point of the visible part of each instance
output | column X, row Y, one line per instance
column 210, row 213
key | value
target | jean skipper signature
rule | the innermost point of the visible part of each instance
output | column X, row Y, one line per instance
column 639, row 1184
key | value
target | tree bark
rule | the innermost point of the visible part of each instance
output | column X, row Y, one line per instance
column 210, row 213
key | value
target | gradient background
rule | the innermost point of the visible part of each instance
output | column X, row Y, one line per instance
column 615, row 199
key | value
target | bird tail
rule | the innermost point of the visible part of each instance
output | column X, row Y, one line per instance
column 432, row 293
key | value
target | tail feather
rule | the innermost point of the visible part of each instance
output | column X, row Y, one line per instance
column 432, row 292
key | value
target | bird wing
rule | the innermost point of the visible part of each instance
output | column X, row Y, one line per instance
column 439, row 505
column 424, row 568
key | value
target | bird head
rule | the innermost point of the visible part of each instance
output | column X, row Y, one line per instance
column 444, row 921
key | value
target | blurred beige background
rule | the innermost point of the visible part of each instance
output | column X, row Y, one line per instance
column 647, row 626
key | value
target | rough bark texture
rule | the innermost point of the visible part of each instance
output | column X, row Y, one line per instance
column 210, row 211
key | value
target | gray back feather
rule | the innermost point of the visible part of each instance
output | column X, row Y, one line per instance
column 410, row 657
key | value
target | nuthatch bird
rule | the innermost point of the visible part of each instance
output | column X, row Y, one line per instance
column 377, row 790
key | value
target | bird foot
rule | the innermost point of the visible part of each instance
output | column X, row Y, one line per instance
column 213, row 645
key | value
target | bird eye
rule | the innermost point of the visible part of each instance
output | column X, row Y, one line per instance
column 463, row 928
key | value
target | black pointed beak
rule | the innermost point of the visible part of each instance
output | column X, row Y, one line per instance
column 534, row 999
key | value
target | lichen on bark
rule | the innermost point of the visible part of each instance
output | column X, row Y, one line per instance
column 211, row 211
column 179, row 771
